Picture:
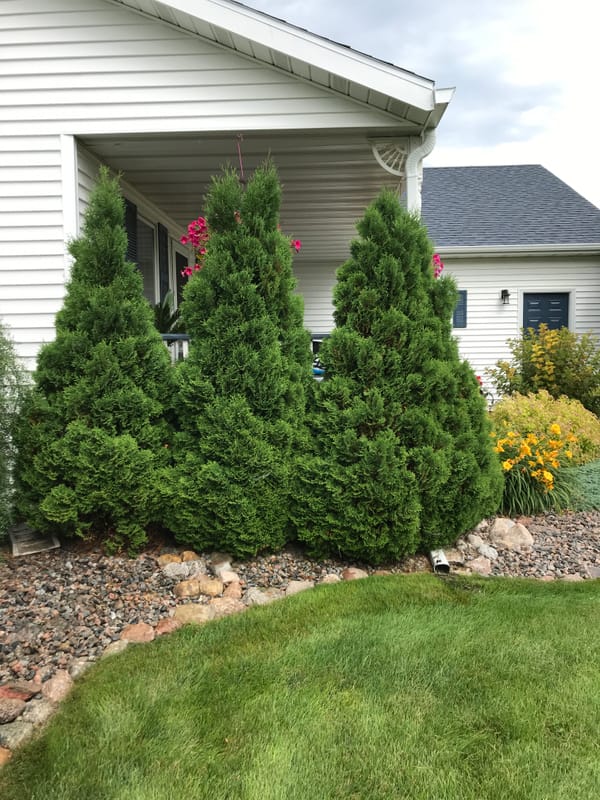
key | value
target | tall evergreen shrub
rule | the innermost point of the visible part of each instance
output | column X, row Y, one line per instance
column 95, row 436
column 402, row 453
column 12, row 389
column 242, row 389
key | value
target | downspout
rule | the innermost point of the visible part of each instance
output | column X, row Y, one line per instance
column 414, row 171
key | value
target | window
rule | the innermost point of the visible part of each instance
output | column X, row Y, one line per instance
column 146, row 258
column 148, row 247
column 459, row 318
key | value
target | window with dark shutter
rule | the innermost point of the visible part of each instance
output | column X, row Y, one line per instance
column 163, row 261
column 131, row 229
column 459, row 318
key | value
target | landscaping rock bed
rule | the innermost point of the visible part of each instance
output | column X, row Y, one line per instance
column 62, row 610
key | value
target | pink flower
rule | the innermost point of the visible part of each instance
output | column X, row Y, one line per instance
column 296, row 244
column 186, row 272
column 438, row 265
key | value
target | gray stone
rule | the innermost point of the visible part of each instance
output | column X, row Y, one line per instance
column 474, row 540
column 79, row 666
column 225, row 606
column 10, row 709
column 480, row 565
column 114, row 648
column 593, row 571
column 38, row 712
column 509, row 535
column 487, row 551
column 219, row 561
column 58, row 687
column 178, row 569
column 295, row 587
column 196, row 568
column 15, row 734
column 259, row 597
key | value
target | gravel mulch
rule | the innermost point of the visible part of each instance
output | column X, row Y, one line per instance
column 70, row 604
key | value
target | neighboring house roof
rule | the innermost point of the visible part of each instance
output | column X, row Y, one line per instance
column 313, row 58
column 505, row 206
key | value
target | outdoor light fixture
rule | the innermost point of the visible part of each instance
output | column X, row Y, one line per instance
column 505, row 297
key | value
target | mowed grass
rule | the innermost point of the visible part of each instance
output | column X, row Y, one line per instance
column 391, row 687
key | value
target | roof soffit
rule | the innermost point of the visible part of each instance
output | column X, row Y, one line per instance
column 326, row 63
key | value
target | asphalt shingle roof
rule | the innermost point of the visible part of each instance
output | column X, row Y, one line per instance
column 506, row 205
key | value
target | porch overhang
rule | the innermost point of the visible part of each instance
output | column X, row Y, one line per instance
column 328, row 177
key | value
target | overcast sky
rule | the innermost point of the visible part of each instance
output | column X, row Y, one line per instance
column 526, row 73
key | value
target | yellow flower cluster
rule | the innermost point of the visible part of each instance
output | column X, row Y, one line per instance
column 538, row 457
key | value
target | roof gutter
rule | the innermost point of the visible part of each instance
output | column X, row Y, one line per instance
column 511, row 250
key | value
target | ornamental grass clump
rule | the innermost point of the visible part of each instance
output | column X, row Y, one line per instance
column 94, row 436
column 536, row 476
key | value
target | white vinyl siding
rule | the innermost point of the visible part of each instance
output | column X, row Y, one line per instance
column 315, row 284
column 81, row 66
column 490, row 323
column 32, row 264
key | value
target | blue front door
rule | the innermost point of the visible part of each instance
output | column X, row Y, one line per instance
column 549, row 307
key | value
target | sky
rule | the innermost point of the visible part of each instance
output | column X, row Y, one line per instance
column 526, row 73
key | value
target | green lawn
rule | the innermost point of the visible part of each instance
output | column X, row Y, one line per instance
column 392, row 687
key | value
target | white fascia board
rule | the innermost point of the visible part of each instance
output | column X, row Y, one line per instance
column 344, row 62
column 510, row 251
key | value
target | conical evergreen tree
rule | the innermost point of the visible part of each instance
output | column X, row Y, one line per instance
column 242, row 389
column 95, row 435
column 403, row 457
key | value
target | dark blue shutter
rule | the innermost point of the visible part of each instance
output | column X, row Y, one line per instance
column 459, row 318
column 163, row 261
column 131, row 229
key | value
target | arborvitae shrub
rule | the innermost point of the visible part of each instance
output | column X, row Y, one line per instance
column 12, row 390
column 242, row 389
column 402, row 452
column 95, row 437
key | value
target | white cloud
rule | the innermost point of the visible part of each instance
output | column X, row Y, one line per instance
column 525, row 72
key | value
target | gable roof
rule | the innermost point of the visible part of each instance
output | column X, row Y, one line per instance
column 506, row 206
column 305, row 55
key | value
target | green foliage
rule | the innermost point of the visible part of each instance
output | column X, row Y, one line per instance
column 166, row 316
column 560, row 361
column 536, row 412
column 587, row 487
column 93, row 435
column 402, row 456
column 242, row 389
column 12, row 391
column 537, row 473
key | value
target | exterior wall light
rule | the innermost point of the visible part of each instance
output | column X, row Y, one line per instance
column 505, row 297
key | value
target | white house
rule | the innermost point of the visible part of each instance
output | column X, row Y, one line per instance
column 167, row 93
column 523, row 247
